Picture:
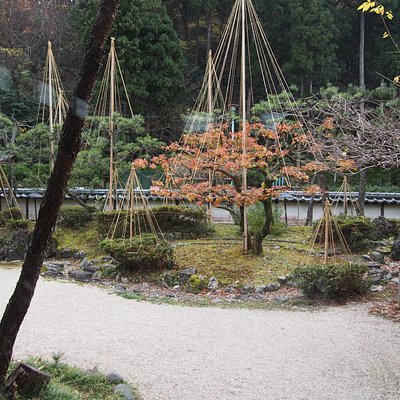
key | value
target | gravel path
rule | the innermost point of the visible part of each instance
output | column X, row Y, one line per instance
column 183, row 353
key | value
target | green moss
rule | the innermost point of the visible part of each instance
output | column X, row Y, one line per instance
column 196, row 284
column 74, row 217
column 144, row 253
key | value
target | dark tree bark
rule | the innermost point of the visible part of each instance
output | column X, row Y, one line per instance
column 362, row 191
column 257, row 247
column 209, row 32
column 69, row 146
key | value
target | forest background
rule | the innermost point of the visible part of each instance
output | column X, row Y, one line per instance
column 162, row 47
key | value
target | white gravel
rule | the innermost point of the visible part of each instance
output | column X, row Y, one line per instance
column 184, row 353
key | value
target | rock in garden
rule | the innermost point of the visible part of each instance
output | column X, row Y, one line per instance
column 282, row 280
column 113, row 377
column 395, row 254
column 376, row 288
column 67, row 253
column 124, row 391
column 395, row 273
column 120, row 288
column 80, row 276
column 230, row 289
column 176, row 288
column 53, row 274
column 383, row 227
column 281, row 299
column 273, row 287
column 396, row 280
column 80, row 255
column 185, row 274
column 260, row 290
column 53, row 266
column 376, row 278
column 106, row 258
column 377, row 257
column 247, row 289
column 213, row 284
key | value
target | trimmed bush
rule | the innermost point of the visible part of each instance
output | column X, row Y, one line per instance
column 357, row 231
column 13, row 213
column 331, row 281
column 188, row 221
column 143, row 253
column 19, row 224
column 74, row 217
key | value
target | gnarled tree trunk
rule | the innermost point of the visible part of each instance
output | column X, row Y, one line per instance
column 257, row 245
column 69, row 146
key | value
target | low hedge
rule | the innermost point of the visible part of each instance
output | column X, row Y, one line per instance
column 144, row 253
column 357, row 231
column 170, row 219
column 13, row 213
column 74, row 217
column 332, row 281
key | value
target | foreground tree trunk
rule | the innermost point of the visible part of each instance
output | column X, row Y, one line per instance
column 257, row 247
column 69, row 146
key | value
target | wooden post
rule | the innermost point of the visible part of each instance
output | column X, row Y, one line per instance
column 327, row 212
column 51, row 122
column 210, row 112
column 26, row 381
column 131, row 201
column 111, row 125
column 345, row 199
column 244, row 122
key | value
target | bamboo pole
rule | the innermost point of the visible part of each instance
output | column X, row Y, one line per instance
column 244, row 122
column 51, row 122
column 131, row 203
column 111, row 125
column 345, row 197
column 327, row 212
column 210, row 111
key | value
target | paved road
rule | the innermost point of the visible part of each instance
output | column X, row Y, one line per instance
column 184, row 353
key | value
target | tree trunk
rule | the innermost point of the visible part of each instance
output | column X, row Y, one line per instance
column 362, row 191
column 310, row 212
column 362, row 51
column 69, row 146
column 258, row 238
column 209, row 27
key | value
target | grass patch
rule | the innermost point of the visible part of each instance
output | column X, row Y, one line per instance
column 86, row 239
column 225, row 261
column 68, row 383
column 226, row 231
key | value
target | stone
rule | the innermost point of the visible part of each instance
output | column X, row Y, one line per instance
column 272, row 287
column 373, row 265
column 53, row 266
column 80, row 255
column 277, row 247
column 376, row 271
column 213, row 284
column 67, row 253
column 388, row 277
column 281, row 299
column 230, row 289
column 124, row 391
column 260, row 290
column 376, row 288
column 124, row 280
column 282, row 280
column 53, row 274
column 366, row 257
column 120, row 288
column 184, row 275
column 80, row 276
column 176, row 288
column 106, row 258
column 395, row 273
column 377, row 257
column 395, row 253
column 383, row 227
column 395, row 280
column 376, row 278
column 91, row 268
column 113, row 377
column 85, row 262
column 247, row 289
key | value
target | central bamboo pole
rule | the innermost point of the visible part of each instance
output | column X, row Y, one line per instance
column 345, row 198
column 111, row 126
column 244, row 122
column 51, row 122
column 210, row 111
column 327, row 213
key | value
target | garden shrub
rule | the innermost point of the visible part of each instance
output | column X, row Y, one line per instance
column 332, row 281
column 170, row 219
column 357, row 231
column 74, row 217
column 384, row 228
column 141, row 253
column 256, row 219
column 19, row 224
column 13, row 213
